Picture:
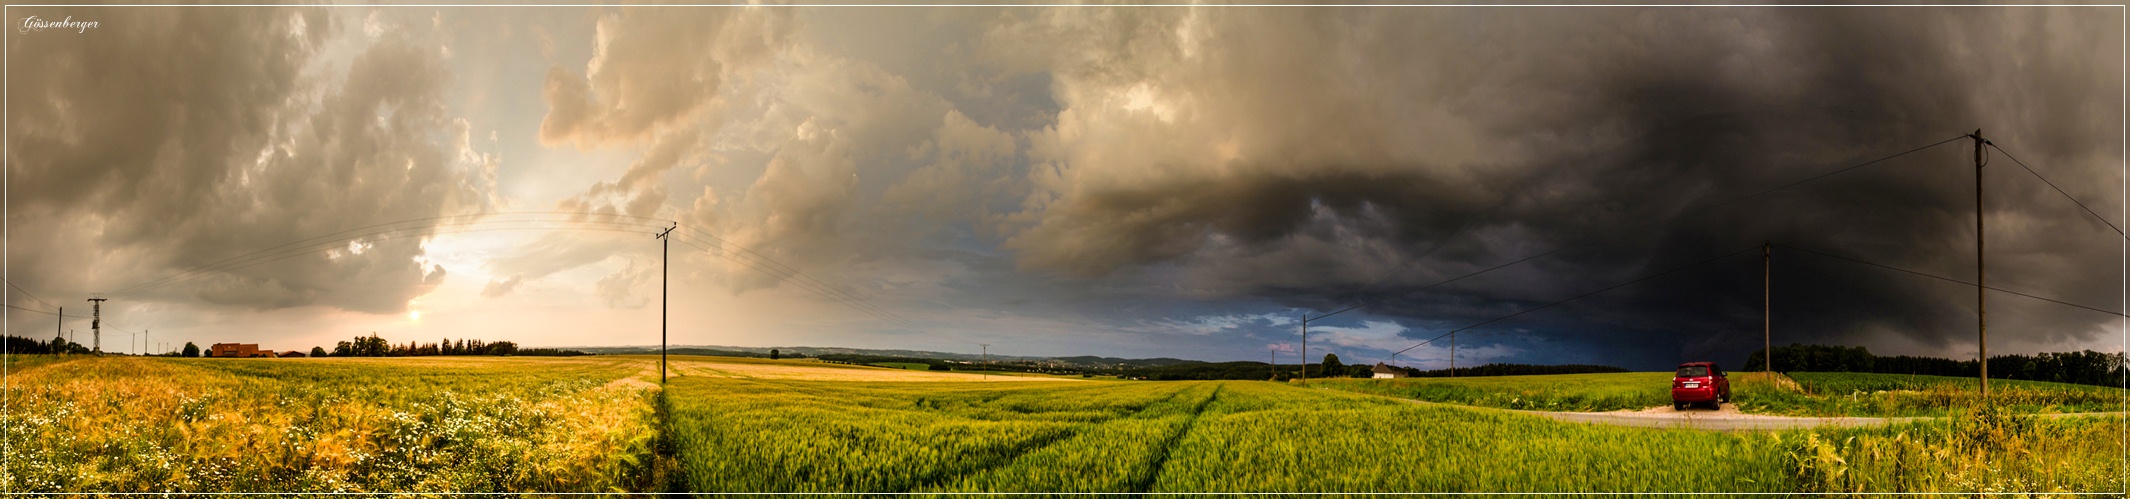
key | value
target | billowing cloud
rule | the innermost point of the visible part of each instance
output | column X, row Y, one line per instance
column 1175, row 181
column 179, row 155
column 655, row 69
column 1328, row 156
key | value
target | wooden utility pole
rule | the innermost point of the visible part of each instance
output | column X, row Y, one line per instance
column 665, row 250
column 59, row 326
column 1305, row 348
column 1981, row 314
column 987, row 360
column 1767, row 338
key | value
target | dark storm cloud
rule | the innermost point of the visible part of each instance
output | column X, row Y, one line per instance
column 1303, row 155
column 180, row 137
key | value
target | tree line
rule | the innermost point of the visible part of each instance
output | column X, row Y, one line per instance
column 21, row 345
column 374, row 346
column 2084, row 367
column 1332, row 367
column 360, row 346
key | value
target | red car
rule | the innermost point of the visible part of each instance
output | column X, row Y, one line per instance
column 1699, row 383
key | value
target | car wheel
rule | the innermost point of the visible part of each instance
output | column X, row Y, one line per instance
column 1726, row 398
column 1678, row 406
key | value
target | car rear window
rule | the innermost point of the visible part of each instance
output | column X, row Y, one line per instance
column 1693, row 371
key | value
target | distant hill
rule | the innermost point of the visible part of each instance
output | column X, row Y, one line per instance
column 1159, row 368
column 733, row 351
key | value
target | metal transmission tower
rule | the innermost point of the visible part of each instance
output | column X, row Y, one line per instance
column 96, row 322
column 665, row 248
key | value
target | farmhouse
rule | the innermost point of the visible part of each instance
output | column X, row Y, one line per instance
column 238, row 350
column 1385, row 372
column 293, row 353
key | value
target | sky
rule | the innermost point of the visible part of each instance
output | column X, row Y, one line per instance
column 1182, row 181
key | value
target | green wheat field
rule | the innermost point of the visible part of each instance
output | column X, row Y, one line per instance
column 603, row 424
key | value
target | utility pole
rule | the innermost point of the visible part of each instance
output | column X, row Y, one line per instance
column 665, row 250
column 59, row 326
column 1767, row 338
column 1981, row 315
column 987, row 359
column 96, row 323
column 1274, row 362
column 1305, row 348
column 1453, row 354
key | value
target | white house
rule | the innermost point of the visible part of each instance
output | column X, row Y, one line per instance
column 1386, row 372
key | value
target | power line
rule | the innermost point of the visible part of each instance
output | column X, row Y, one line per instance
column 767, row 261
column 853, row 302
column 1829, row 174
column 1458, row 278
column 825, row 292
column 1515, row 191
column 335, row 237
column 1943, row 278
column 1584, row 295
column 793, row 274
column 25, row 292
column 35, row 311
column 2059, row 190
column 790, row 274
column 240, row 260
column 1693, row 211
column 262, row 257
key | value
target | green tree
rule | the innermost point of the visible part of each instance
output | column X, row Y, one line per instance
column 191, row 350
column 772, row 354
column 1331, row 366
column 317, row 351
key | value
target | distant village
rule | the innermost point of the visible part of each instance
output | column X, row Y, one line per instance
column 248, row 350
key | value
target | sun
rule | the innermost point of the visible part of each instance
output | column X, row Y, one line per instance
column 414, row 315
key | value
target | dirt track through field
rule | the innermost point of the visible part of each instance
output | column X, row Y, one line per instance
column 1726, row 419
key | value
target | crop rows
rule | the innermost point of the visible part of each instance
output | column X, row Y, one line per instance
column 1180, row 436
column 1551, row 392
column 1869, row 394
column 119, row 424
column 564, row 425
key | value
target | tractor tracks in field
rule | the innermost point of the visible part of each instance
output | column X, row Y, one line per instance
column 1161, row 454
column 940, row 479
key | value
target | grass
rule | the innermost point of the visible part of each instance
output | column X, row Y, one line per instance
column 1798, row 394
column 129, row 424
column 1869, row 394
column 594, row 424
column 1979, row 449
column 1233, row 436
column 919, row 366
column 1268, row 438
column 1550, row 392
